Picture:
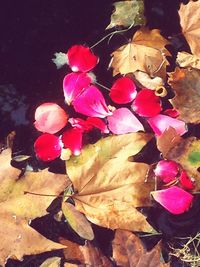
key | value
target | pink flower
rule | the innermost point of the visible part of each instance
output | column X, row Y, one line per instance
column 91, row 103
column 123, row 91
column 185, row 181
column 160, row 123
column 166, row 170
column 47, row 147
column 123, row 121
column 81, row 58
column 50, row 118
column 173, row 199
column 146, row 103
column 74, row 84
column 72, row 139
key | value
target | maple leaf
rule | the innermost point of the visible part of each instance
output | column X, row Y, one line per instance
column 146, row 52
column 190, row 23
column 185, row 59
column 108, row 185
column 17, row 209
column 128, row 251
column 127, row 13
column 186, row 86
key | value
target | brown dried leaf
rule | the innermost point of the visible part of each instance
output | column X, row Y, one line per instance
column 190, row 23
column 185, row 59
column 186, row 86
column 146, row 81
column 51, row 262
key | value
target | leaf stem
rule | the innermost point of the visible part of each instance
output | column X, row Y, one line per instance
column 103, row 86
column 45, row 195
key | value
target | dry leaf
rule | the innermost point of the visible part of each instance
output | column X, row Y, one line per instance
column 51, row 262
column 127, row 13
column 186, row 86
column 108, row 185
column 190, row 23
column 146, row 81
column 185, row 59
column 128, row 251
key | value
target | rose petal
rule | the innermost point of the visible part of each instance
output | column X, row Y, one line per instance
column 91, row 103
column 185, row 181
column 98, row 123
column 146, row 103
column 74, row 84
column 80, row 124
column 50, row 118
column 47, row 147
column 160, row 123
column 123, row 91
column 72, row 139
column 81, row 58
column 173, row 199
column 123, row 121
column 166, row 170
column 171, row 112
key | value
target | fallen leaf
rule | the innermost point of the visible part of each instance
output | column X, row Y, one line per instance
column 108, row 186
column 51, row 262
column 190, row 23
column 186, row 86
column 146, row 81
column 127, row 13
column 128, row 251
column 185, row 60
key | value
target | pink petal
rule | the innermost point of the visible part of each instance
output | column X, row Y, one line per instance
column 185, row 181
column 166, row 170
column 74, row 84
column 81, row 58
column 50, row 118
column 80, row 124
column 72, row 139
column 160, row 123
column 173, row 199
column 98, row 123
column 47, row 147
column 146, row 103
column 123, row 121
column 123, row 91
column 91, row 103
column 171, row 112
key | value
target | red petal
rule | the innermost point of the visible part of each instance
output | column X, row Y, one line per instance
column 98, row 123
column 74, row 84
column 72, row 139
column 171, row 112
column 173, row 199
column 185, row 181
column 91, row 103
column 123, row 121
column 47, row 147
column 81, row 58
column 80, row 124
column 123, row 91
column 160, row 123
column 146, row 103
column 50, row 118
column 166, row 170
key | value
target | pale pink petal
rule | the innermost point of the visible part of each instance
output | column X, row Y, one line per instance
column 98, row 123
column 173, row 199
column 160, row 123
column 74, row 84
column 123, row 91
column 186, row 181
column 146, row 103
column 123, row 121
column 91, row 103
column 172, row 112
column 81, row 58
column 50, row 118
column 166, row 170
column 72, row 139
column 47, row 147
column 80, row 124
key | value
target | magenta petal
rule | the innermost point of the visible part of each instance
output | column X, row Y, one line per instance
column 123, row 121
column 47, row 147
column 72, row 139
column 166, row 170
column 146, row 103
column 50, row 118
column 98, row 123
column 123, row 91
column 91, row 103
column 81, row 58
column 185, row 181
column 74, row 84
column 80, row 124
column 160, row 123
column 173, row 199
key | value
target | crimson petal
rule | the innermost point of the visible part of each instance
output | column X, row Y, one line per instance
column 166, row 170
column 72, row 139
column 98, row 123
column 80, row 124
column 185, row 181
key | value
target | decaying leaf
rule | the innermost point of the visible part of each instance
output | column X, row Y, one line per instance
column 128, row 251
column 186, row 86
column 185, row 60
column 146, row 52
column 88, row 255
column 127, row 13
column 108, row 185
column 145, row 80
column 190, row 23
column 51, row 262
column 77, row 221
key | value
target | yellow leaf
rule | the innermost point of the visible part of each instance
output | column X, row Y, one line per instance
column 51, row 262
column 185, row 59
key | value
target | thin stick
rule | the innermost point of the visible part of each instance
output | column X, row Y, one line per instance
column 103, row 86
